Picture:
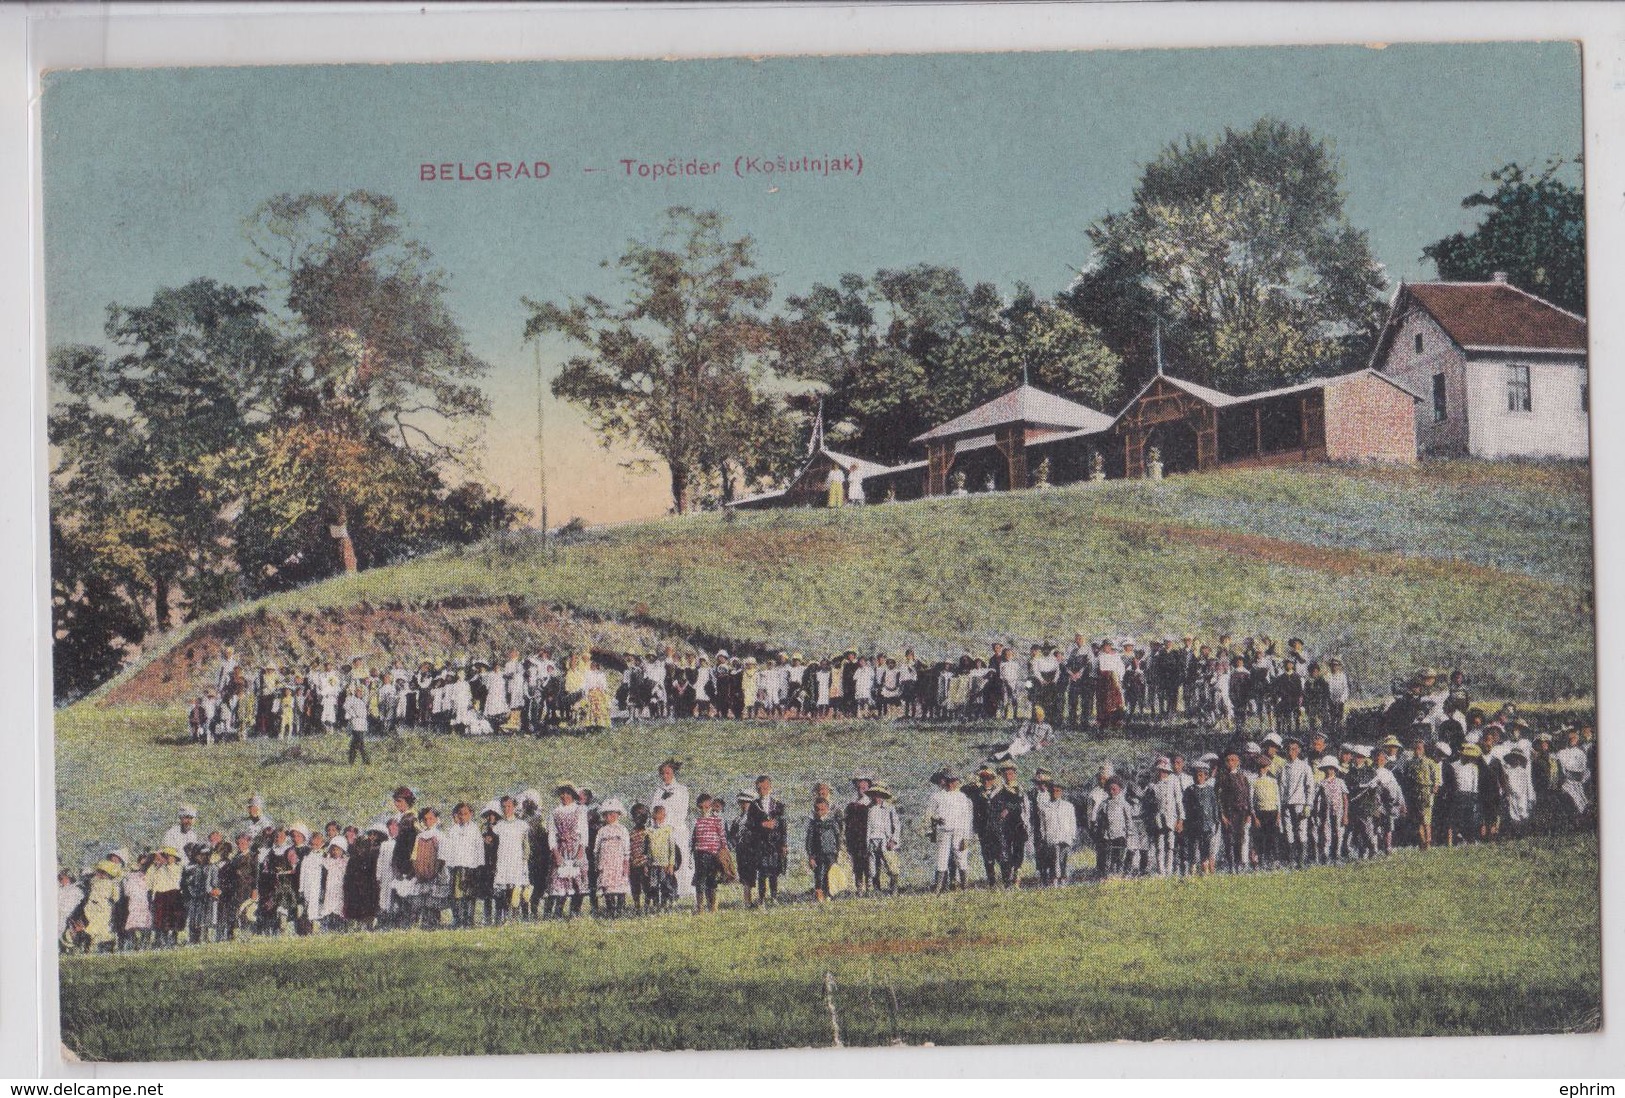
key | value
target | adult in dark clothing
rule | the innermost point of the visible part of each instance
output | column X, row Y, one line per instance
column 361, row 894
column 855, row 825
column 1235, row 796
column 541, row 856
column 849, row 684
column 406, row 837
column 985, row 821
column 764, row 825
column 1008, row 806
column 1077, row 675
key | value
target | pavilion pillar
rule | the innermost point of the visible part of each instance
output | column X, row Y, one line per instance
column 1011, row 441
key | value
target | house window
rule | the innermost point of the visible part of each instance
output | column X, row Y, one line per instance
column 1585, row 393
column 1418, row 342
column 1439, row 412
column 1518, row 399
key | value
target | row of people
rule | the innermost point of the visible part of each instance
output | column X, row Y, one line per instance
column 1105, row 682
column 1283, row 802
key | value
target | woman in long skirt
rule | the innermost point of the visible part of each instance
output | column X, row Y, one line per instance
column 138, row 906
column 168, row 906
column 599, row 700
column 99, row 901
column 332, row 906
column 569, row 846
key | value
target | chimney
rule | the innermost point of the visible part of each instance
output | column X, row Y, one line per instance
column 1499, row 276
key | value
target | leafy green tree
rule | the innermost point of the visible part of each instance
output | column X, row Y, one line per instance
column 139, row 437
column 677, row 369
column 899, row 353
column 388, row 382
column 1534, row 229
column 1243, row 247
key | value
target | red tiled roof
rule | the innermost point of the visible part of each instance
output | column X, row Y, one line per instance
column 1496, row 314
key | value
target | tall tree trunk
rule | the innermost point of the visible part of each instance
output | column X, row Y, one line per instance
column 681, row 492
column 346, row 547
column 160, row 603
column 725, row 474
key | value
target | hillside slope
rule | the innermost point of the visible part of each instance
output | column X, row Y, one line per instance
column 1483, row 565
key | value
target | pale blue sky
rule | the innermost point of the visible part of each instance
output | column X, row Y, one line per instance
column 992, row 163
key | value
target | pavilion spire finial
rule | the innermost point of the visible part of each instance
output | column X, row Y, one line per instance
column 815, row 437
column 1159, row 346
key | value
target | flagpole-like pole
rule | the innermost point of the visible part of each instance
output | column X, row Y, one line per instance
column 541, row 461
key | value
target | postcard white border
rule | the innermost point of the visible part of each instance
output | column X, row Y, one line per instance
column 40, row 37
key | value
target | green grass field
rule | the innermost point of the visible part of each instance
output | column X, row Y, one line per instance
column 1501, row 939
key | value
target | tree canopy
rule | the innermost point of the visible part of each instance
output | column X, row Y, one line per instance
column 1533, row 229
column 206, row 451
column 677, row 368
column 1242, row 249
column 898, row 353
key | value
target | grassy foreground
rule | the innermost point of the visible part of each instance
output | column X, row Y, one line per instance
column 1501, row 939
column 1483, row 565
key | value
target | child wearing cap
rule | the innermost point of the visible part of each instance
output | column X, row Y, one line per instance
column 1165, row 816
column 1113, row 822
column 1331, row 810
column 660, row 860
column 707, row 842
column 1057, row 828
column 823, row 846
column 200, row 885
column 884, row 833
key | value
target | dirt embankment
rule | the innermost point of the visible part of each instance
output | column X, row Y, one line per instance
column 380, row 634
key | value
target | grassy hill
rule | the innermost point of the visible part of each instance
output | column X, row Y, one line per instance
column 1500, row 939
column 1483, row 565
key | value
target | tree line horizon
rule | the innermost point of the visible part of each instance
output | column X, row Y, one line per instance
column 232, row 441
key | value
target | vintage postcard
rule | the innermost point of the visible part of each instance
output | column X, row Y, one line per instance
column 957, row 549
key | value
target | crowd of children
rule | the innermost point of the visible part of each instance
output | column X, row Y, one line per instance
column 1288, row 800
column 1225, row 686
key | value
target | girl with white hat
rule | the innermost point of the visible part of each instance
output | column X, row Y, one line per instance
column 567, row 829
column 613, row 850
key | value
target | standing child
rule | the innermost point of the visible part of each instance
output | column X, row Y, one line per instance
column 707, row 843
column 1201, row 819
column 200, row 884
column 510, row 879
column 1113, row 822
column 884, row 833
column 100, row 898
column 332, row 909
column 662, row 856
column 639, row 873
column 823, row 845
column 138, row 905
column 168, row 905
column 613, row 850
column 569, row 831
column 1057, row 826
column 1331, row 809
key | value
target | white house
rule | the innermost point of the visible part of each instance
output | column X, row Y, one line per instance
column 1503, row 371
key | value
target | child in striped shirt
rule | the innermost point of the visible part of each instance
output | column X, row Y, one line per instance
column 707, row 842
